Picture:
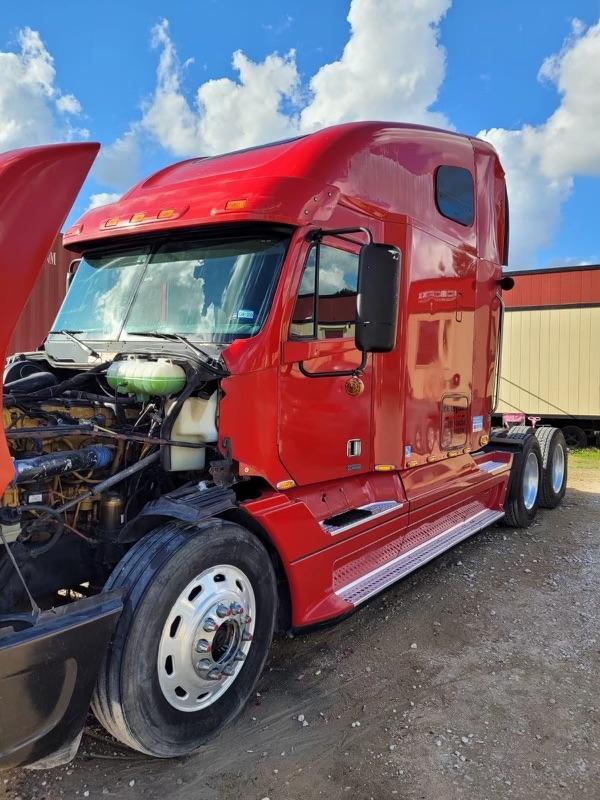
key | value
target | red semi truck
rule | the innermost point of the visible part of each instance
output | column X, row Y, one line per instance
column 265, row 399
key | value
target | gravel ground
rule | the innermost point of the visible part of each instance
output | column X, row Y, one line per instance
column 475, row 678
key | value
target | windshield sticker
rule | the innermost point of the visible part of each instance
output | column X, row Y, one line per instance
column 245, row 313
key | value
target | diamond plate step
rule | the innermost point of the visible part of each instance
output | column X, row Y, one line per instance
column 378, row 579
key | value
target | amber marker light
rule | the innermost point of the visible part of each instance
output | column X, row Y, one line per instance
column 138, row 217
column 166, row 213
column 235, row 205
column 286, row 484
column 483, row 440
column 112, row 222
column 384, row 467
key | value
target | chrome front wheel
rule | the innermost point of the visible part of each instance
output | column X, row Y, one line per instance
column 206, row 637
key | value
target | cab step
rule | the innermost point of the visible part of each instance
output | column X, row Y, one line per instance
column 380, row 578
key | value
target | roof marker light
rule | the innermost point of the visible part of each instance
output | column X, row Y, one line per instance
column 112, row 222
column 235, row 205
column 166, row 213
column 138, row 217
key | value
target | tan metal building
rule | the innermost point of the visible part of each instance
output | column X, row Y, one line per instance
column 551, row 350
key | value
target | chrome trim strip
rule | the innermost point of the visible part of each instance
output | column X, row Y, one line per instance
column 373, row 582
column 391, row 505
column 493, row 466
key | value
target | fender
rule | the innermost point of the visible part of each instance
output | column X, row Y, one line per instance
column 188, row 504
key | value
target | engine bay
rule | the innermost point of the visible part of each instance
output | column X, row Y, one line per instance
column 91, row 448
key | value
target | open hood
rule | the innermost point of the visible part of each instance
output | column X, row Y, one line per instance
column 38, row 186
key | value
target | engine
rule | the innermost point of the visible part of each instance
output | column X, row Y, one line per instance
column 90, row 449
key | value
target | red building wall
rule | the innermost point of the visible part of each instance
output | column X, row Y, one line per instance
column 570, row 286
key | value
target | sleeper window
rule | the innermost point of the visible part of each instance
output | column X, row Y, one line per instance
column 454, row 194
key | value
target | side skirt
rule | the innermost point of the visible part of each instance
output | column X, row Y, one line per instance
column 380, row 578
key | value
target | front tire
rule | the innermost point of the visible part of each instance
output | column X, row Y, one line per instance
column 199, row 615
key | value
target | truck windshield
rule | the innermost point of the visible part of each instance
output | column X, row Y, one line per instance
column 209, row 291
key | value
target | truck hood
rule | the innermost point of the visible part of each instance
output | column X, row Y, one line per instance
column 38, row 186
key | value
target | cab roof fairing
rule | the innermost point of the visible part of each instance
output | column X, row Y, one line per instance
column 377, row 167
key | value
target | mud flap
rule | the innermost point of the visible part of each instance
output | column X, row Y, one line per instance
column 47, row 675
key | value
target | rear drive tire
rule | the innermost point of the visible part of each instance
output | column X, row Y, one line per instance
column 554, row 466
column 523, row 495
column 575, row 437
column 198, row 619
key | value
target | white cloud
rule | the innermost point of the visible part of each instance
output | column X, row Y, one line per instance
column 391, row 68
column 570, row 139
column 118, row 163
column 541, row 161
column 225, row 114
column 535, row 199
column 31, row 104
column 102, row 199
column 68, row 104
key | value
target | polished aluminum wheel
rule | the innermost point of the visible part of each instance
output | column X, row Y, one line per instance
column 206, row 638
column 558, row 468
column 531, row 481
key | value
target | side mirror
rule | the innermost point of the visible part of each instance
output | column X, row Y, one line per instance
column 71, row 272
column 506, row 283
column 378, row 293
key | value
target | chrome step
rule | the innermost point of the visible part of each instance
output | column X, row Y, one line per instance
column 378, row 579
column 371, row 511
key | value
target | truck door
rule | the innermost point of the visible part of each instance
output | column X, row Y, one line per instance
column 324, row 396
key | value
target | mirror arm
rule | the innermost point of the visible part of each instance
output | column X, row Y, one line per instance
column 336, row 372
column 319, row 233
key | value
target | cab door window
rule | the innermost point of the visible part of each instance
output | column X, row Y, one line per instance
column 333, row 306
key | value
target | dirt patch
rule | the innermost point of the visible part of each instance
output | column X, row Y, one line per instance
column 475, row 678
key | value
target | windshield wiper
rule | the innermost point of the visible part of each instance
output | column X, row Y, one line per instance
column 213, row 364
column 71, row 335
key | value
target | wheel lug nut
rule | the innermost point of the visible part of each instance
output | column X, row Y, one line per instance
column 202, row 646
column 223, row 610
column 228, row 670
column 210, row 625
column 247, row 636
column 204, row 664
column 214, row 675
column 236, row 608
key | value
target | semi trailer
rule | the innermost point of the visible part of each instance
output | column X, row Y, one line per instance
column 550, row 369
column 265, row 399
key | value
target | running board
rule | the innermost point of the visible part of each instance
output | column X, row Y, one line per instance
column 378, row 579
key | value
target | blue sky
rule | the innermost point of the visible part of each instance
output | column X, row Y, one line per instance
column 470, row 65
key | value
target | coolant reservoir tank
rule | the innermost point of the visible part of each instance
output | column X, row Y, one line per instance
column 142, row 377
column 196, row 422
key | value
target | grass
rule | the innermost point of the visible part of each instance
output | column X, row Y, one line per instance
column 585, row 459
